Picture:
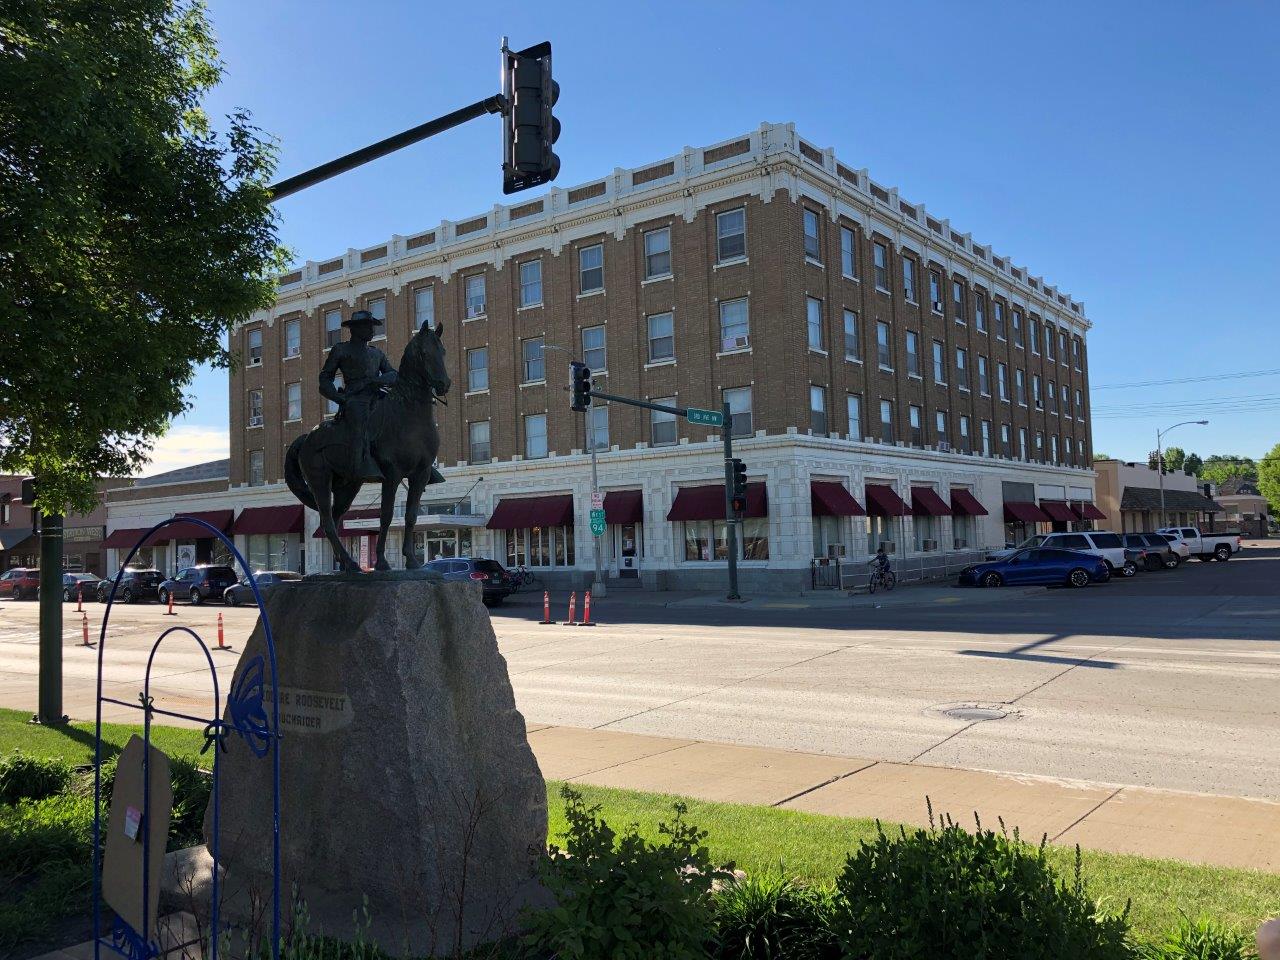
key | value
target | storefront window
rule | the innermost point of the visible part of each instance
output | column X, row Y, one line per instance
column 269, row 551
column 828, row 531
column 709, row 539
column 962, row 531
column 435, row 544
column 540, row 547
column 144, row 559
column 925, row 529
column 881, row 530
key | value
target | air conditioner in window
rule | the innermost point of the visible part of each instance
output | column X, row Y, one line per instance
column 1039, row 405
column 888, row 546
column 255, row 361
column 930, row 545
column 255, row 421
column 937, row 306
column 944, row 447
column 835, row 550
column 961, row 544
column 735, row 343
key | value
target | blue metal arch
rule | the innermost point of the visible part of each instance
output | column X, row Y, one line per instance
column 248, row 721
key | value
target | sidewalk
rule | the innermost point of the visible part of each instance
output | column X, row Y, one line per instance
column 1222, row 831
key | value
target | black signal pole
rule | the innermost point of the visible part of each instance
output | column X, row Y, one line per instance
column 730, row 515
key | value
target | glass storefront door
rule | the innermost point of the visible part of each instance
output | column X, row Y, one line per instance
column 627, row 548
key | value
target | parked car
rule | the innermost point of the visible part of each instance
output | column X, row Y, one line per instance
column 76, row 585
column 1204, row 546
column 21, row 583
column 136, row 584
column 1156, row 548
column 1106, row 546
column 266, row 580
column 497, row 584
column 1038, row 565
column 197, row 584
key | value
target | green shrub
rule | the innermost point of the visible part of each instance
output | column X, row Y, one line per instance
column 771, row 917
column 24, row 777
column 622, row 897
column 1200, row 939
column 947, row 893
column 34, row 833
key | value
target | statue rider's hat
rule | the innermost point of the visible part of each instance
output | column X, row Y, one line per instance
column 359, row 317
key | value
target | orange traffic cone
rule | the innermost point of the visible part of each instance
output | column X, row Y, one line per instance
column 573, row 603
column 222, row 645
column 546, row 608
column 84, row 630
column 586, row 611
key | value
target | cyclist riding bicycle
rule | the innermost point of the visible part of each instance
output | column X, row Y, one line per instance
column 881, row 561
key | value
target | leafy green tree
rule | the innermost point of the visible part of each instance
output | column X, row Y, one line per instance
column 1174, row 458
column 132, row 235
column 1220, row 468
column 1153, row 460
column 1269, row 478
column 1193, row 464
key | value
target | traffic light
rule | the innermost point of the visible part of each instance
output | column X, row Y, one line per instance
column 529, row 127
column 580, row 380
column 738, row 492
column 28, row 494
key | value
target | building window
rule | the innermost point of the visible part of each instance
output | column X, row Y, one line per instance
column 1020, row 387
column 475, row 296
column 535, row 436
column 735, row 328
column 852, row 337
column 914, row 417
column 332, row 327
column 424, row 307
column 1080, row 455
column 848, row 253
column 255, row 408
column 1053, row 396
column 1040, row 446
column 657, row 253
column 853, row 404
column 939, row 363
column 985, row 432
column 881, row 530
column 966, row 440
column 593, row 348
column 1079, row 405
column 1022, row 443
column 1002, row 381
column 979, row 311
column 663, row 425
column 1067, row 456
column 1017, row 329
column 812, row 245
column 378, row 307
column 531, row 283
column 984, row 377
column 591, row 268
column 925, row 532
column 292, row 338
column 1053, row 449
column 478, row 369
column 1035, row 391
column 880, row 260
column 731, row 235
column 813, row 313
column 883, row 353
column 1062, row 346
column 1034, row 335
column 6, row 509
column 909, row 279
column 257, row 468
column 330, row 408
column 1006, row 440
column 739, row 401
column 662, row 340
column 598, row 427
column 913, row 354
column 962, row 368
column 886, row 421
column 478, row 442
column 997, row 314
column 1075, row 353
column 940, row 428
column 1050, row 341
column 957, row 300
column 293, row 401
column 254, row 337
column 818, row 409
column 707, row 540
column 540, row 547
column 534, row 360
column 935, row 291
column 1066, row 401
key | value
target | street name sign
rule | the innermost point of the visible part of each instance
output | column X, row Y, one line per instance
column 712, row 418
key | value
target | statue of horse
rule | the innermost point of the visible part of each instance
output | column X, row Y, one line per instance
column 404, row 442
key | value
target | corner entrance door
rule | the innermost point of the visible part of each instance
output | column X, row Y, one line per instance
column 627, row 549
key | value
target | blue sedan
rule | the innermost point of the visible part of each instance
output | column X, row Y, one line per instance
column 1069, row 568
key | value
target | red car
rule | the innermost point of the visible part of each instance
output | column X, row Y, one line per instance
column 21, row 583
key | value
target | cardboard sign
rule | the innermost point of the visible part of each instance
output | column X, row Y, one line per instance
column 130, row 819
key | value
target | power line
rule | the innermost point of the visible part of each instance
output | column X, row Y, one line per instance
column 1204, row 379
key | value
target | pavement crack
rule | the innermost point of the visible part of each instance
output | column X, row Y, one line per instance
column 950, row 736
column 1088, row 813
column 824, row 783
column 623, row 763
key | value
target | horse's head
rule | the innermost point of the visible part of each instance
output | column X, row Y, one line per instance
column 424, row 359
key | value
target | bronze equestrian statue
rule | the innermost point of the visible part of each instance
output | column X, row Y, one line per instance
column 385, row 432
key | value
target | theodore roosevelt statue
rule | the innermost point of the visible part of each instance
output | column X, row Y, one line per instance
column 366, row 374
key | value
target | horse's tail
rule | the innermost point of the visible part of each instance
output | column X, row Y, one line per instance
column 293, row 473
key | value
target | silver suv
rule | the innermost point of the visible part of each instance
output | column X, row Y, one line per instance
column 1100, row 543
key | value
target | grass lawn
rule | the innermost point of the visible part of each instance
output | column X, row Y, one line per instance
column 806, row 845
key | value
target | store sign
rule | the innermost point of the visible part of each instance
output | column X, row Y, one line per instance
column 84, row 534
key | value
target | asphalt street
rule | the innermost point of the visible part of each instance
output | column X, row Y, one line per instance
column 1167, row 680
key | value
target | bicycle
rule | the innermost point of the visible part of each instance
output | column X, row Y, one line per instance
column 885, row 579
column 523, row 577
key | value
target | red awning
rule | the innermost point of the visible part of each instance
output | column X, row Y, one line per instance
column 1089, row 512
column 519, row 513
column 194, row 531
column 1023, row 511
column 925, row 502
column 125, row 537
column 831, row 499
column 1059, row 510
column 707, row 503
column 624, row 506
column 345, row 531
column 965, row 503
column 883, row 502
column 287, row 519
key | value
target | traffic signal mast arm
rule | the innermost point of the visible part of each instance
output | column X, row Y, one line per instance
column 661, row 407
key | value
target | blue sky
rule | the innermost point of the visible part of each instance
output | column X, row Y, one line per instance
column 1126, row 152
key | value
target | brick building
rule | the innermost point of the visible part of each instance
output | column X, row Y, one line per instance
column 890, row 378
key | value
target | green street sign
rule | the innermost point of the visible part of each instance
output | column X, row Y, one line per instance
column 597, row 523
column 712, row 418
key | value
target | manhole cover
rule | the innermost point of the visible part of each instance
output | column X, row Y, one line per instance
column 976, row 713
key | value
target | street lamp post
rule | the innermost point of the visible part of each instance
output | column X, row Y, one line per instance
column 1160, row 460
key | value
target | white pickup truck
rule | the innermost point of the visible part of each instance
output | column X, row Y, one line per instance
column 1205, row 546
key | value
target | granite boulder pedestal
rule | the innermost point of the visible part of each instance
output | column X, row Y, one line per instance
column 408, row 788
